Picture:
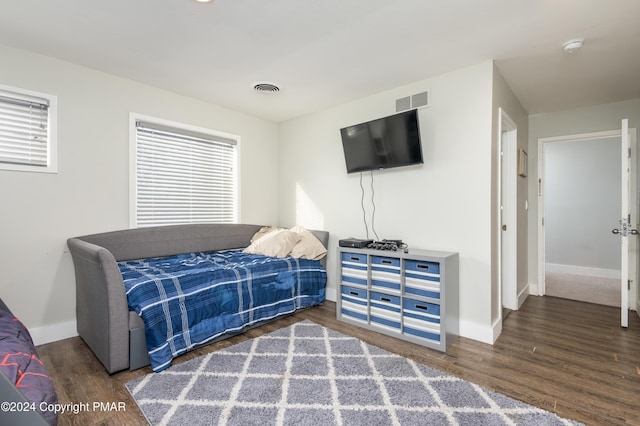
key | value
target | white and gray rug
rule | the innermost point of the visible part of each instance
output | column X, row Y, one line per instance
column 306, row 374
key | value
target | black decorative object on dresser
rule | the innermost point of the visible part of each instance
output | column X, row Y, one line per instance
column 411, row 296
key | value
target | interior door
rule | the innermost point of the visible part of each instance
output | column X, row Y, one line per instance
column 508, row 212
column 625, row 231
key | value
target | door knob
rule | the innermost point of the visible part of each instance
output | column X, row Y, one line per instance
column 631, row 231
column 504, row 227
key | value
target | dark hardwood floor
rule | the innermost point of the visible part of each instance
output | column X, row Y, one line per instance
column 567, row 357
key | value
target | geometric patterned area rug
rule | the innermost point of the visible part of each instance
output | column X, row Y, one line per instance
column 306, row 374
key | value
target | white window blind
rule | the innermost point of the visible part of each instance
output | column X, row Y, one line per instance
column 184, row 176
column 24, row 130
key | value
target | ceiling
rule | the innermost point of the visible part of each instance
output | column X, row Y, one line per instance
column 323, row 53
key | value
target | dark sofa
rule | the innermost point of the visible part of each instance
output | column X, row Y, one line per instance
column 25, row 387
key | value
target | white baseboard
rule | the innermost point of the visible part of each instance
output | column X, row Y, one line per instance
column 65, row 330
column 582, row 270
column 331, row 294
column 53, row 333
column 481, row 333
column 522, row 296
column 534, row 290
column 468, row 329
column 497, row 329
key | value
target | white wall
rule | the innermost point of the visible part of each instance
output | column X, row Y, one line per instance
column 571, row 122
column 444, row 204
column 90, row 192
column 290, row 173
column 582, row 203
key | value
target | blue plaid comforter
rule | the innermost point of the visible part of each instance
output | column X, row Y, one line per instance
column 190, row 299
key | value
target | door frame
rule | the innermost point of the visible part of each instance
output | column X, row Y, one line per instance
column 633, row 205
column 507, row 211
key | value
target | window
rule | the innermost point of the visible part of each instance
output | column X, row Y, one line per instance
column 27, row 131
column 183, row 174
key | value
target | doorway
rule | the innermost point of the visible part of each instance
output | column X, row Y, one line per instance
column 579, row 204
column 582, row 203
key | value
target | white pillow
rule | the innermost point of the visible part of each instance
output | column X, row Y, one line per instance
column 277, row 243
column 263, row 231
column 309, row 246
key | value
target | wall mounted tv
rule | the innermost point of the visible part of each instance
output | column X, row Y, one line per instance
column 384, row 143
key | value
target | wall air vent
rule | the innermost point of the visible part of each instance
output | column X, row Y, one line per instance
column 265, row 87
column 403, row 104
column 419, row 100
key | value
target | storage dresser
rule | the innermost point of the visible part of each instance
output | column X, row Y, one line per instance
column 411, row 296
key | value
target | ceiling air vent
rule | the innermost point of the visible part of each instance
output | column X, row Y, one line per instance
column 265, row 87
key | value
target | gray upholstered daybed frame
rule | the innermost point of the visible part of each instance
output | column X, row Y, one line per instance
column 115, row 334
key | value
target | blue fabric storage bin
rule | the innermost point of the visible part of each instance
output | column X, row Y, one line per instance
column 385, row 273
column 385, row 310
column 421, row 319
column 354, row 303
column 355, row 258
column 422, row 266
column 391, row 263
column 419, row 309
column 422, row 332
column 422, row 278
column 354, row 268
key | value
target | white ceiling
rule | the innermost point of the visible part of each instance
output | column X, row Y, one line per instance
column 323, row 53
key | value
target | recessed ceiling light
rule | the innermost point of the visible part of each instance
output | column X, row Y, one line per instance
column 265, row 87
column 203, row 1
column 572, row 45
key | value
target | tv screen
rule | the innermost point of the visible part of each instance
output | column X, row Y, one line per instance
column 384, row 143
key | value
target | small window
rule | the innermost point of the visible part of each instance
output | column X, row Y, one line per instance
column 27, row 131
column 183, row 175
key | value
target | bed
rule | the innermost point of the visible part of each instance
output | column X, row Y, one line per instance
column 187, row 300
column 162, row 270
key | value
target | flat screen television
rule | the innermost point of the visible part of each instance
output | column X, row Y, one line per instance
column 384, row 143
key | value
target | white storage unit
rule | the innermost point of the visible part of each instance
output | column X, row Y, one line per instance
column 412, row 296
